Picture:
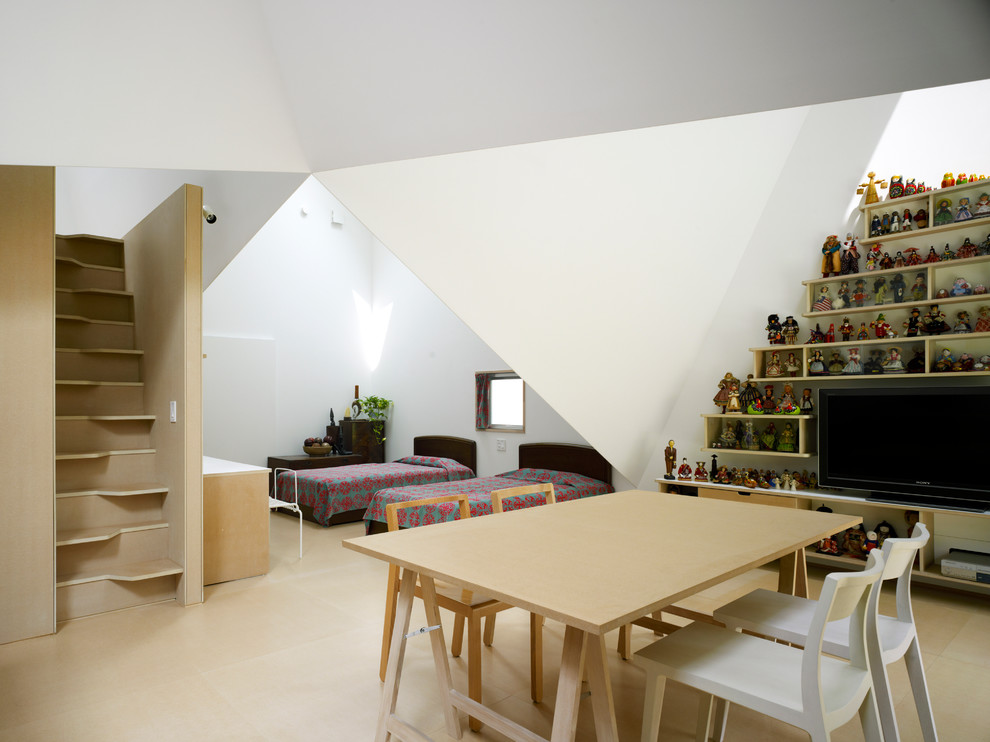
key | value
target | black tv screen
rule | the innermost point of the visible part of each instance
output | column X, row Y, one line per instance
column 917, row 446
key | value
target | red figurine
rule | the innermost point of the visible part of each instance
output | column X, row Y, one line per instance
column 846, row 329
column 830, row 335
column 880, row 326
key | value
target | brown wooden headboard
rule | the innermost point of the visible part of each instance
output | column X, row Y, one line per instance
column 461, row 450
column 565, row 457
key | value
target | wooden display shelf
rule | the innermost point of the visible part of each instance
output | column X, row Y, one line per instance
column 89, row 266
column 803, row 441
column 109, row 418
column 786, row 454
column 86, row 382
column 133, row 572
column 104, row 533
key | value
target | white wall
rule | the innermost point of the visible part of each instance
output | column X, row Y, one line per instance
column 622, row 275
column 109, row 201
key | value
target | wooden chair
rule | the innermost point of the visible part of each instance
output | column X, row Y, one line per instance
column 889, row 638
column 465, row 606
column 535, row 620
column 801, row 687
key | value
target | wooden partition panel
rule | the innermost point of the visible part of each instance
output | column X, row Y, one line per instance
column 163, row 262
column 27, row 371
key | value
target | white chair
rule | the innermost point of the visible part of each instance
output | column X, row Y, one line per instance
column 274, row 503
column 787, row 617
column 801, row 687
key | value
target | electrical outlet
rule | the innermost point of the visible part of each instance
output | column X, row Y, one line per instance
column 500, row 444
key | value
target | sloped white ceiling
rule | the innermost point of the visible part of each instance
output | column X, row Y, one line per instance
column 312, row 85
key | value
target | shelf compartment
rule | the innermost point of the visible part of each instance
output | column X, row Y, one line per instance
column 100, row 454
column 130, row 491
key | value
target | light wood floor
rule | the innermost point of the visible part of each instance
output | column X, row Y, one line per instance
column 294, row 656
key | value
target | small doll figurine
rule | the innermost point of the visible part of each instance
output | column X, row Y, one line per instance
column 947, row 254
column 966, row 362
column 962, row 212
column 863, row 333
column 816, row 366
column 749, row 439
column 873, row 258
column 948, row 180
column 774, row 329
column 917, row 364
column 871, row 542
column 846, row 329
column 684, row 471
column 934, row 322
column 945, row 361
column 768, row 438
column 860, row 295
column 853, row 366
column 899, row 260
column 769, row 401
column 898, row 286
column 700, row 473
column 773, row 367
column 885, row 224
column 824, row 302
column 792, row 365
column 886, row 261
column 842, row 296
column 896, row 189
column 875, row 364
column 983, row 323
column 788, row 403
column 721, row 398
column 907, row 221
column 728, row 438
column 749, row 394
column 850, row 258
column 670, row 458
column 723, row 476
column 913, row 324
column 807, row 404
column 960, row 287
column 816, row 335
column 790, row 330
column 880, row 326
column 911, row 257
column 831, row 256
column 874, row 226
column 879, row 290
column 733, row 404
column 982, row 206
column 932, row 256
column 962, row 323
column 835, row 364
column 830, row 334
column 919, row 290
column 785, row 443
column 895, row 223
column 942, row 213
column 892, row 364
column 921, row 218
column 967, row 250
column 910, row 188
column 852, row 542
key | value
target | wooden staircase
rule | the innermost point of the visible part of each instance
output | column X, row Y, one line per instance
column 112, row 534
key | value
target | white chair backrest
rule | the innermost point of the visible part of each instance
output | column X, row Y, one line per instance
column 843, row 595
column 898, row 553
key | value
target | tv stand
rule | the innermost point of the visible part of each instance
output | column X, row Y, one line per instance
column 949, row 527
column 922, row 501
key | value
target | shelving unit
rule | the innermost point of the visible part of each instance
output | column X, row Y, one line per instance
column 948, row 528
column 805, row 431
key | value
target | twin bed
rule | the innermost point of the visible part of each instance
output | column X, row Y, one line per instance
column 440, row 465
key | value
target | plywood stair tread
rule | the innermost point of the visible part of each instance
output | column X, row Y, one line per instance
column 150, row 418
column 91, row 266
column 119, row 351
column 129, row 490
column 94, row 237
column 100, row 454
column 71, row 536
column 132, row 572
column 80, row 318
column 90, row 382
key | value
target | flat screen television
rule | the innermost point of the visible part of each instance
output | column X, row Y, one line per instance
column 908, row 445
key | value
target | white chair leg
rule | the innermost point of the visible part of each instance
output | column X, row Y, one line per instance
column 721, row 716
column 869, row 716
column 919, row 687
column 704, row 717
column 884, row 699
column 652, row 705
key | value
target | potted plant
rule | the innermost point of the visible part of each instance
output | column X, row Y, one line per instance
column 377, row 409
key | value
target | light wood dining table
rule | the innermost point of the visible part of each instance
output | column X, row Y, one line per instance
column 593, row 564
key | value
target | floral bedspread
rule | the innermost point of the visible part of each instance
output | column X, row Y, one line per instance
column 566, row 486
column 343, row 488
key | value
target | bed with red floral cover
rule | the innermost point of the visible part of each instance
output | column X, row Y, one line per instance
column 341, row 494
column 593, row 476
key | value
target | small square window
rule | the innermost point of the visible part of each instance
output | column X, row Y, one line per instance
column 500, row 401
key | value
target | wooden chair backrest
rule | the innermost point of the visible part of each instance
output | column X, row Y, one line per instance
column 393, row 508
column 526, row 489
